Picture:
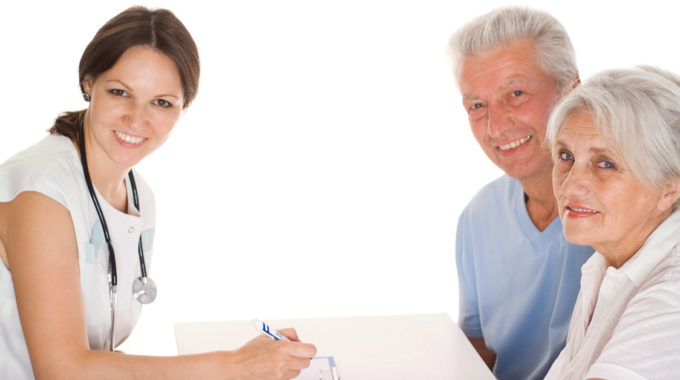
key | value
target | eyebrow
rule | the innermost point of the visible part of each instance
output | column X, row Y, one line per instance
column 130, row 89
column 513, row 81
column 470, row 97
column 597, row 150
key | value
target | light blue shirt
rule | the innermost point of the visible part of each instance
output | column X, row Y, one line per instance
column 518, row 285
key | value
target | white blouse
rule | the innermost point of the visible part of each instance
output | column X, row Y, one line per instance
column 634, row 332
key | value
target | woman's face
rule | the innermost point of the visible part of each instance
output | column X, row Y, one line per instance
column 601, row 203
column 133, row 107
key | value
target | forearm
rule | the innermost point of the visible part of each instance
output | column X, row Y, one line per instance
column 488, row 356
column 107, row 365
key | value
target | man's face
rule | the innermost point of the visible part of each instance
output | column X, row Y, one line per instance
column 508, row 98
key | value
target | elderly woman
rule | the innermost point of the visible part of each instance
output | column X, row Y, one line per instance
column 616, row 145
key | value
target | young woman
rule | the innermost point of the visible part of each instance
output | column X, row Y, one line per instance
column 77, row 222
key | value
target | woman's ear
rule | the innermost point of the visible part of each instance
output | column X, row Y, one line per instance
column 671, row 193
column 87, row 87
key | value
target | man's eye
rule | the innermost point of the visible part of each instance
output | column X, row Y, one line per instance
column 476, row 106
column 517, row 93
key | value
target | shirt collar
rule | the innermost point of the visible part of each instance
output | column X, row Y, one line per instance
column 653, row 251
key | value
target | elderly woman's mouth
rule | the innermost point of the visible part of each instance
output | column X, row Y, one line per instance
column 580, row 210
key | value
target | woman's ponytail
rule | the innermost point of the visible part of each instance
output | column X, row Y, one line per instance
column 68, row 124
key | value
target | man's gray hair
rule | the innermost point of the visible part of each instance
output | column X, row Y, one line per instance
column 638, row 110
column 554, row 50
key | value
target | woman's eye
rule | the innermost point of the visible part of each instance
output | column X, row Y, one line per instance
column 606, row 165
column 163, row 103
column 118, row 92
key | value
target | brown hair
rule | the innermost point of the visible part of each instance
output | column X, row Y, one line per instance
column 135, row 26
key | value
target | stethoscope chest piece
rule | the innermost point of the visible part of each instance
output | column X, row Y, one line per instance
column 144, row 290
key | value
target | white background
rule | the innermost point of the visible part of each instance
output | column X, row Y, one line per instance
column 322, row 168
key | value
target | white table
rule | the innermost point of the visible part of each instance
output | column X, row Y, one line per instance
column 397, row 347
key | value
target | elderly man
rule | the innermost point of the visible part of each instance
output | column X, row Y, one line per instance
column 518, row 276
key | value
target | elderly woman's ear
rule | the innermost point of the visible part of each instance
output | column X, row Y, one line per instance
column 671, row 193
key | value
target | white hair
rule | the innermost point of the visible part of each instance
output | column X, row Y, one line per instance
column 554, row 50
column 638, row 110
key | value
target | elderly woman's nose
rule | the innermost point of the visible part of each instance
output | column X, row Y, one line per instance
column 577, row 181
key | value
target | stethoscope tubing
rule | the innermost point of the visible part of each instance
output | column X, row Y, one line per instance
column 86, row 172
column 147, row 289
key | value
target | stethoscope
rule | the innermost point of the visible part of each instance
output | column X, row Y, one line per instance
column 143, row 288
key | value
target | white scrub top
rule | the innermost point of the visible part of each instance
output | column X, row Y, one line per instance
column 52, row 167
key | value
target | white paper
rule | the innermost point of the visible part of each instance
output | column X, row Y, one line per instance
column 321, row 368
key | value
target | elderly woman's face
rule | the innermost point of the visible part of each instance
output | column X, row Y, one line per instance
column 601, row 203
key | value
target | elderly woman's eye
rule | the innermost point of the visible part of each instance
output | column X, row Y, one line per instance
column 606, row 165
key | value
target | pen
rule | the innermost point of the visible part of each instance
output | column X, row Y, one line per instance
column 264, row 328
column 334, row 369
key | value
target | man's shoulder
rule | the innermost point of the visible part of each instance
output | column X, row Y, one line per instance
column 495, row 196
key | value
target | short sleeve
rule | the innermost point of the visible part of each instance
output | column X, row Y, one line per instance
column 33, row 170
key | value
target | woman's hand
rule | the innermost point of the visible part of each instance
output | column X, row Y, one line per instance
column 265, row 359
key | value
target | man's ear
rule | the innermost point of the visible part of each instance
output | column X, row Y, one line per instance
column 575, row 82
column 671, row 193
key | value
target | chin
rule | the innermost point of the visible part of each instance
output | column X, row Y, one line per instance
column 521, row 170
column 577, row 237
column 521, row 174
column 128, row 162
column 530, row 167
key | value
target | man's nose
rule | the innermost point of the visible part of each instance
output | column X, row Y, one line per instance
column 498, row 120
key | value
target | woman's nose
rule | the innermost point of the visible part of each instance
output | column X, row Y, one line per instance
column 137, row 116
column 577, row 182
